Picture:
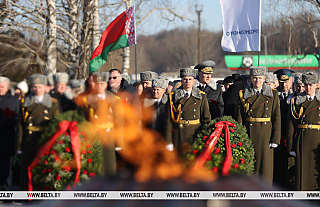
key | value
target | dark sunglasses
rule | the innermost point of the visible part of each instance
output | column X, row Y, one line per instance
column 115, row 77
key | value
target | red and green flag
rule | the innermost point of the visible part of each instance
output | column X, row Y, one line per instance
column 119, row 34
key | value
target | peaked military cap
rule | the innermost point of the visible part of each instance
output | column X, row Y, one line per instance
column 160, row 83
column 228, row 79
column 61, row 78
column 187, row 72
column 309, row 78
column 284, row 74
column 258, row 70
column 148, row 76
column 271, row 78
column 102, row 77
column 298, row 78
column 37, row 79
column 126, row 77
column 206, row 66
column 50, row 78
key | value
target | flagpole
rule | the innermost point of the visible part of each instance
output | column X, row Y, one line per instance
column 135, row 61
column 259, row 58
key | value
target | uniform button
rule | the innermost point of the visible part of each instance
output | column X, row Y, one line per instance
column 181, row 118
column 303, row 122
column 267, row 101
column 180, row 125
column 319, row 108
column 318, row 122
column 266, row 108
column 30, row 132
column 195, row 103
column 304, row 116
column 251, row 124
column 30, row 124
column 266, row 115
column 265, row 122
column 250, row 109
column 194, row 116
column 194, row 110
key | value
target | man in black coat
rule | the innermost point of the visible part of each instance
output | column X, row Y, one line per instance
column 128, row 93
column 231, row 97
column 9, row 111
column 213, row 92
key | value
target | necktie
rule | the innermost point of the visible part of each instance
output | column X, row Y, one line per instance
column 257, row 93
column 187, row 95
column 203, row 87
column 310, row 99
column 284, row 95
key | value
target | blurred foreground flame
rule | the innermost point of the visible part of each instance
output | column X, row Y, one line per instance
column 117, row 122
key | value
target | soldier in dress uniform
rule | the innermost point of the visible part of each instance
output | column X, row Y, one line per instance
column 103, row 109
column 303, row 134
column 60, row 93
column 213, row 92
column 37, row 109
column 160, row 103
column 259, row 112
column 146, row 97
column 280, row 156
column 298, row 84
column 271, row 80
column 187, row 109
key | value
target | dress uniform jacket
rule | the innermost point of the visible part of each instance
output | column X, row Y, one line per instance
column 261, row 116
column 107, row 117
column 303, row 132
column 185, row 116
column 34, row 117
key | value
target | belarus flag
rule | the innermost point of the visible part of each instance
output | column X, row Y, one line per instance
column 119, row 34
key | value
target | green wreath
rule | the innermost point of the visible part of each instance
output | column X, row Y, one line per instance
column 241, row 147
column 56, row 169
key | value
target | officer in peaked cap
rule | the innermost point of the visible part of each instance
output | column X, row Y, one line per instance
column 259, row 112
column 280, row 156
column 37, row 109
column 271, row 80
column 187, row 110
column 303, row 134
column 213, row 92
column 63, row 96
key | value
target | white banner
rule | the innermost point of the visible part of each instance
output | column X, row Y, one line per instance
column 162, row 195
column 241, row 25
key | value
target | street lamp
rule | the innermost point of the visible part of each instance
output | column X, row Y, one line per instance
column 265, row 44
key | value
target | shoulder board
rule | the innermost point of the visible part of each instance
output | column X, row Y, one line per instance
column 54, row 100
column 274, row 89
column 202, row 92
column 22, row 101
column 171, row 93
column 117, row 97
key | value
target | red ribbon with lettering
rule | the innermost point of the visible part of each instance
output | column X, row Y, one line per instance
column 75, row 143
column 211, row 143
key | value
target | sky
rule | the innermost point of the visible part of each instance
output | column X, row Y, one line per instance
column 211, row 17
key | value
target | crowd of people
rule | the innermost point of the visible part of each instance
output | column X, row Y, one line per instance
column 280, row 110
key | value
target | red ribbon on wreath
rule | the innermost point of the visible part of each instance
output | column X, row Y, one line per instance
column 211, row 143
column 75, row 143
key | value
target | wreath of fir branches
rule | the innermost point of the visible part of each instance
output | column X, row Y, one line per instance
column 57, row 169
column 241, row 146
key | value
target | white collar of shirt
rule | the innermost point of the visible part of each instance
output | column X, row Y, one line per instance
column 157, row 100
column 312, row 97
column 255, row 90
column 102, row 97
column 38, row 99
column 185, row 92
column 202, row 85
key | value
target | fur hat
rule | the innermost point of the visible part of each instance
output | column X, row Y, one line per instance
column 160, row 83
column 148, row 76
column 37, row 79
column 309, row 78
column 187, row 72
column 126, row 77
column 271, row 78
column 258, row 70
column 102, row 77
column 61, row 78
column 298, row 78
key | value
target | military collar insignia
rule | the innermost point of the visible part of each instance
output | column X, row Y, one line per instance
column 302, row 97
column 266, row 91
column 178, row 94
column 45, row 102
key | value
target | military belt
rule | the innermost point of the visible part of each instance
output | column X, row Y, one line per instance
column 308, row 126
column 191, row 122
column 35, row 128
column 258, row 119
